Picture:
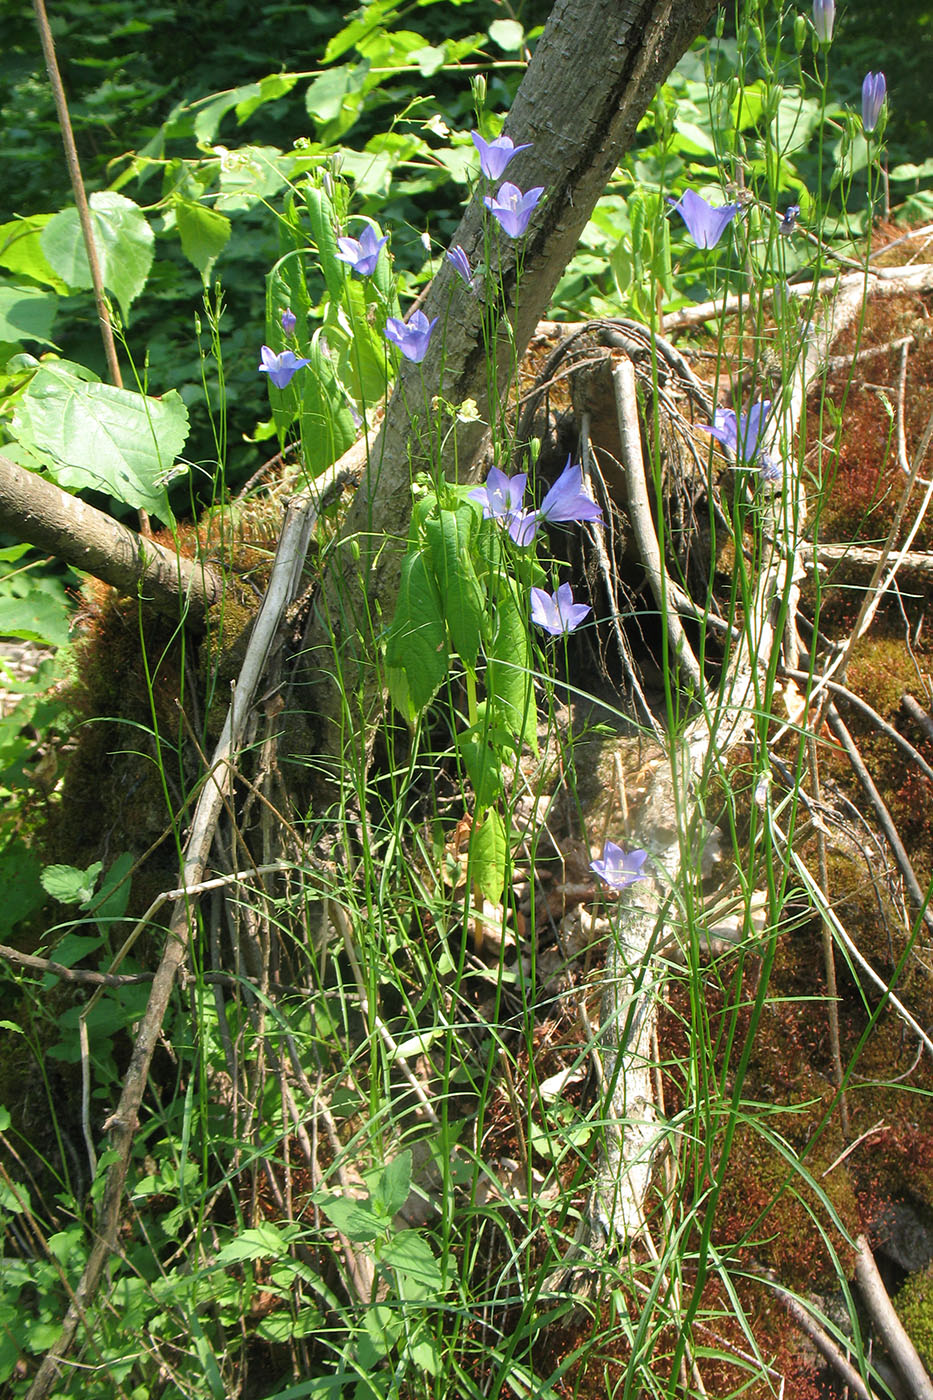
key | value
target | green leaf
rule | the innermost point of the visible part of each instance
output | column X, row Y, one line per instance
column 70, row 885
column 36, row 617
column 335, row 98
column 21, row 251
column 395, row 1182
column 123, row 240
column 409, row 1252
column 417, row 643
column 101, row 438
column 449, row 536
column 114, row 894
column 327, row 426
column 483, row 764
column 355, row 1219
column 430, row 59
column 26, row 313
column 248, row 174
column 508, row 675
column 488, row 855
column 508, row 34
column 19, row 879
column 203, row 232
column 266, row 1241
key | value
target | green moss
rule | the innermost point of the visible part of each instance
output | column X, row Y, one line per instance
column 914, row 1306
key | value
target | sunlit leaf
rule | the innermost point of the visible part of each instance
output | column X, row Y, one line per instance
column 123, row 241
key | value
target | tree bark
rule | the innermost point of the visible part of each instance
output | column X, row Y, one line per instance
column 35, row 509
column 597, row 67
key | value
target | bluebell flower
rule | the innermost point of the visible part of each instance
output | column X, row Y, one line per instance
column 742, row 433
column 501, row 496
column 495, row 155
column 411, row 337
column 289, row 321
column 705, row 224
column 789, row 221
column 280, row 368
column 362, row 253
column 874, row 88
column 567, row 500
column 513, row 209
column 824, row 17
column 461, row 262
column 556, row 612
column 619, row 869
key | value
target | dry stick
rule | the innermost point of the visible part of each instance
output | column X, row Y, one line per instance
column 916, row 561
column 292, row 547
column 882, row 281
column 818, row 1336
column 639, row 509
column 919, row 714
column 919, row 899
column 859, row 704
column 897, row 1343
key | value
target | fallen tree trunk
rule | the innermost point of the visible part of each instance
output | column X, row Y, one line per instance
column 37, row 511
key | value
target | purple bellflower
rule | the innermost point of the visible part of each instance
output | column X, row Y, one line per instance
column 567, row 499
column 501, row 499
column 280, row 368
column 411, row 337
column 362, row 253
column 789, row 221
column 461, row 263
column 740, row 433
column 824, row 17
column 495, row 155
column 289, row 321
column 513, row 209
column 619, row 869
column 556, row 612
column 705, row 224
column 873, row 90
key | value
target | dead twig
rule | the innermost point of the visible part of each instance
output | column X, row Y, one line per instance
column 890, row 1328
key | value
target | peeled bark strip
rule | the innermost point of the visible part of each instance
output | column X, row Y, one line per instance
column 594, row 73
column 40, row 513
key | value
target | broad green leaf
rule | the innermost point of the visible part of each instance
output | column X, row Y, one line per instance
column 36, row 616
column 203, row 233
column 508, row 675
column 26, row 313
column 430, row 59
column 335, row 98
column 68, row 884
column 327, row 425
column 248, row 174
column 355, row 1219
column 21, row 251
column 449, row 536
column 123, row 240
column 395, row 1182
column 114, row 894
column 376, row 13
column 268, row 89
column 19, row 880
column 488, row 855
column 324, row 232
column 101, row 438
column 266, row 1241
column 409, row 1252
column 508, row 34
column 417, row 641
column 483, row 764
